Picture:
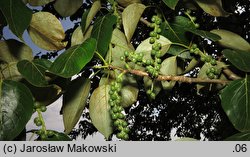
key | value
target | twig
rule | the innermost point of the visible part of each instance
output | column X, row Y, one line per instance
column 171, row 78
column 230, row 74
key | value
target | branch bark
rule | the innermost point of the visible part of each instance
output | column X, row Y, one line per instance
column 171, row 78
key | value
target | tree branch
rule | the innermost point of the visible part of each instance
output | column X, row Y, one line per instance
column 171, row 78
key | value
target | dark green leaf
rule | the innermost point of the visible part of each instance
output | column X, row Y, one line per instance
column 74, row 59
column 238, row 58
column 171, row 3
column 179, row 51
column 102, row 32
column 57, row 136
column 243, row 136
column 45, row 95
column 74, row 101
column 205, row 34
column 99, row 110
column 34, row 71
column 16, row 108
column 235, row 100
column 17, row 15
column 176, row 31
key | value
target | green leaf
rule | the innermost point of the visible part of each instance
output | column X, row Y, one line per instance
column 231, row 40
column 37, row 2
column 89, row 15
column 12, row 51
column 17, row 15
column 102, row 32
column 74, row 101
column 46, row 31
column 74, row 59
column 243, row 136
column 177, row 30
column 129, row 95
column 45, row 95
column 34, row 71
column 130, row 18
column 239, row 59
column 171, row 3
column 99, row 110
column 179, row 51
column 205, row 34
column 192, row 64
column 57, row 136
column 119, row 46
column 212, row 7
column 78, row 37
column 16, row 108
column 125, row 3
column 203, row 75
column 235, row 100
column 169, row 67
column 67, row 7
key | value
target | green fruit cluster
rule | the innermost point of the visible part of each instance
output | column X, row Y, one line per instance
column 204, row 58
column 39, row 107
column 132, row 56
column 153, row 65
column 213, row 72
column 117, row 111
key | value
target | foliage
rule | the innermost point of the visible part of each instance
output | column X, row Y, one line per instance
column 159, row 62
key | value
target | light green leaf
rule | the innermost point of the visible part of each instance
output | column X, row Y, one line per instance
column 129, row 95
column 171, row 3
column 37, row 2
column 205, row 34
column 17, row 15
column 67, row 7
column 99, row 110
column 192, row 64
column 74, row 59
column 102, row 32
column 212, row 7
column 130, row 18
column 89, row 15
column 242, row 136
column 12, row 51
column 231, row 40
column 235, row 100
column 34, row 71
column 169, row 67
column 74, row 101
column 119, row 46
column 125, row 3
column 202, row 74
column 46, row 31
column 239, row 59
column 16, row 108
column 145, row 47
